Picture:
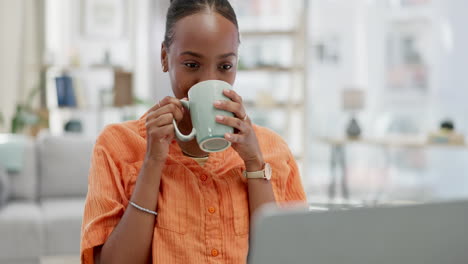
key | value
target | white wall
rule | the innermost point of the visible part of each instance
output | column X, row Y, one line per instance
column 347, row 21
column 160, row 85
column 362, row 27
column 451, row 91
column 138, row 50
column 65, row 40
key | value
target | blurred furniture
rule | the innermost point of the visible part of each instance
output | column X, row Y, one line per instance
column 104, row 95
column 353, row 100
column 43, row 214
column 338, row 158
column 447, row 134
column 272, row 68
column 123, row 88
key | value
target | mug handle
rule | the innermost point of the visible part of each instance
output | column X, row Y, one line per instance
column 179, row 135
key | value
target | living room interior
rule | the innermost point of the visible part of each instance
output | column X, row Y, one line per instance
column 370, row 96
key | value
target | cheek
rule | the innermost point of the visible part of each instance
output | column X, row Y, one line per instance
column 181, row 83
column 231, row 78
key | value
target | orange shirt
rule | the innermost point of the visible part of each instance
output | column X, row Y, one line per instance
column 203, row 212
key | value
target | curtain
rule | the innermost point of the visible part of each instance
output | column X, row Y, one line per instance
column 21, row 38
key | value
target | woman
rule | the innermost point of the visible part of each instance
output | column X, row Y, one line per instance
column 154, row 199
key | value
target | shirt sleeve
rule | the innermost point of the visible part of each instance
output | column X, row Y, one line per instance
column 104, row 206
column 294, row 191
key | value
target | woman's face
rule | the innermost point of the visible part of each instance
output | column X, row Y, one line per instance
column 204, row 48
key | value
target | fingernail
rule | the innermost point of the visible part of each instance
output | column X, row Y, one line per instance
column 219, row 118
column 217, row 103
column 228, row 136
column 227, row 90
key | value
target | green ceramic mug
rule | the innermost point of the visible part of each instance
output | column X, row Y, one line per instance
column 209, row 133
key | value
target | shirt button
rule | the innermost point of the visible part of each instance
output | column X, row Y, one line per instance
column 214, row 252
column 211, row 210
column 203, row 177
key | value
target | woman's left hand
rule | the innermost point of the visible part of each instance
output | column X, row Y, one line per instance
column 243, row 140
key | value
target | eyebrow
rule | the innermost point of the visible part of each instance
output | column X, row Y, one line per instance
column 194, row 54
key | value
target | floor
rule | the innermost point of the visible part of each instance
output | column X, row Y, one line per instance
column 60, row 260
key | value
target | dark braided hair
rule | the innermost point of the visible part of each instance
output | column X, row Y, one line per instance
column 183, row 8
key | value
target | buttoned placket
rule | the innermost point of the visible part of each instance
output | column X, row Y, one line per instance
column 212, row 220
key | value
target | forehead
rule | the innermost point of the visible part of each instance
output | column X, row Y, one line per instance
column 207, row 33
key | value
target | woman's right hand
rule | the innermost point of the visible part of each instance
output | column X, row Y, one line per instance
column 160, row 129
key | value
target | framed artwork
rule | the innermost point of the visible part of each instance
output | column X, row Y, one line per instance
column 327, row 50
column 408, row 56
column 104, row 19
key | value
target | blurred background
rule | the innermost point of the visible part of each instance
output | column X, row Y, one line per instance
column 369, row 94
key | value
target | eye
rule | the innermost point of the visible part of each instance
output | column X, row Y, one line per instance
column 226, row 67
column 191, row 65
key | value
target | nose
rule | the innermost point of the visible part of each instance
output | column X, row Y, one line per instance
column 209, row 74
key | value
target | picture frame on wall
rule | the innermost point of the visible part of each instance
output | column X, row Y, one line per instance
column 104, row 19
column 327, row 50
column 408, row 57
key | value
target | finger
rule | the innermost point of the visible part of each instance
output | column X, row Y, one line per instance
column 169, row 108
column 232, row 122
column 231, row 106
column 159, row 104
column 161, row 133
column 234, row 138
column 168, row 133
column 177, row 112
column 161, row 121
column 174, row 101
column 231, row 94
column 154, row 107
column 171, row 100
column 166, row 100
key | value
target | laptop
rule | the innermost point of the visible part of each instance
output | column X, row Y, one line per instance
column 413, row 234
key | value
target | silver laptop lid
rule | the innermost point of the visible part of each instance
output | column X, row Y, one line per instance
column 414, row 234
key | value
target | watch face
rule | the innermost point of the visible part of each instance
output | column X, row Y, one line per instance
column 267, row 171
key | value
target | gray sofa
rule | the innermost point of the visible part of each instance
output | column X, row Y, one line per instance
column 42, row 216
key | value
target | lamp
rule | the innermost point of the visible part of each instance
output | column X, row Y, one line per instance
column 353, row 101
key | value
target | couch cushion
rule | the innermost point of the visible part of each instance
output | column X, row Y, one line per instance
column 62, row 225
column 24, row 184
column 64, row 163
column 21, row 232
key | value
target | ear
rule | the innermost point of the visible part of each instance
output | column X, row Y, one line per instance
column 164, row 58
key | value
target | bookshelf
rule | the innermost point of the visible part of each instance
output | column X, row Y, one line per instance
column 274, row 85
column 93, row 88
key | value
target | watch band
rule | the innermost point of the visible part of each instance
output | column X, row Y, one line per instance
column 265, row 173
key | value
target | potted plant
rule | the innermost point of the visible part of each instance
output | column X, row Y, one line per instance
column 26, row 117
